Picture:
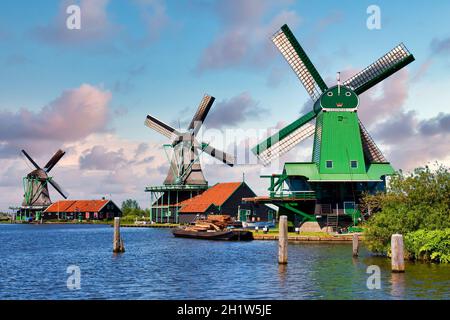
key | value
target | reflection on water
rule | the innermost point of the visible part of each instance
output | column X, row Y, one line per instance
column 282, row 274
column 34, row 261
column 398, row 285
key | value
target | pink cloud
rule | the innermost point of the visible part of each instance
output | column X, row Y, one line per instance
column 74, row 115
column 244, row 37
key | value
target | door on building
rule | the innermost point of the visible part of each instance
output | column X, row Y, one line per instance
column 244, row 215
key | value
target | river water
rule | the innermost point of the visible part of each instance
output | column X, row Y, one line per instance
column 34, row 261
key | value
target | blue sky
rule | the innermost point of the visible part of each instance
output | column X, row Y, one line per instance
column 160, row 57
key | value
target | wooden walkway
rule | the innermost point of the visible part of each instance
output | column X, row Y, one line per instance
column 300, row 238
column 149, row 225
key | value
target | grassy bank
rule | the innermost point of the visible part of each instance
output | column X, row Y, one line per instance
column 294, row 234
column 154, row 225
column 62, row 222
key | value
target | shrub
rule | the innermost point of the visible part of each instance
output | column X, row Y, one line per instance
column 417, row 201
column 429, row 245
column 131, row 210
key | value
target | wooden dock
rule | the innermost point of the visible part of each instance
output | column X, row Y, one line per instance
column 159, row 226
column 339, row 238
column 331, row 239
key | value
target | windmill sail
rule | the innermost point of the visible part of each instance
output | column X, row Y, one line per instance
column 299, row 62
column 384, row 67
column 54, row 160
column 371, row 151
column 58, row 188
column 218, row 154
column 161, row 127
column 202, row 112
column 286, row 139
column 30, row 159
column 185, row 167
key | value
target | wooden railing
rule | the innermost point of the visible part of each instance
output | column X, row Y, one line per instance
column 294, row 195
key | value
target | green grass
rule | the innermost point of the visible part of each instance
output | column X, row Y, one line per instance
column 75, row 221
column 157, row 225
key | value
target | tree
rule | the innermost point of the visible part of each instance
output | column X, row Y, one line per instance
column 130, row 207
column 418, row 201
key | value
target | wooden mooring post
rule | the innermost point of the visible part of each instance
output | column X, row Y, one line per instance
column 355, row 242
column 397, row 259
column 118, row 246
column 283, row 240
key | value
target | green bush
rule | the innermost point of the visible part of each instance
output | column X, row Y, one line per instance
column 419, row 201
column 429, row 245
column 131, row 211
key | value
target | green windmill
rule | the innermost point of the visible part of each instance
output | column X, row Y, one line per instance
column 36, row 196
column 346, row 161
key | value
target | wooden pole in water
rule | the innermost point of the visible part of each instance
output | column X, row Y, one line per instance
column 397, row 260
column 355, row 242
column 283, row 240
column 117, row 242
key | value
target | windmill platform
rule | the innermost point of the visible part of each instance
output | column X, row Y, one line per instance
column 164, row 200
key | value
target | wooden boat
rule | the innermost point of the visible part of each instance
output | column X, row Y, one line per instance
column 214, row 228
column 223, row 235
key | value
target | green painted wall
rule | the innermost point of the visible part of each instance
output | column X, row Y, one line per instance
column 340, row 142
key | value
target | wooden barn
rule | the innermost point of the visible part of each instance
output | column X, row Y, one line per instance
column 82, row 209
column 224, row 198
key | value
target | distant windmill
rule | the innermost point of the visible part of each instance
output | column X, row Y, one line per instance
column 36, row 194
column 185, row 167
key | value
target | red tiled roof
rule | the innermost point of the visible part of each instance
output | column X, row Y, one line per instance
column 77, row 206
column 195, row 207
column 216, row 195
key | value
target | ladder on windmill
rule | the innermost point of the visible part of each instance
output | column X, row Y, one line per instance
column 332, row 219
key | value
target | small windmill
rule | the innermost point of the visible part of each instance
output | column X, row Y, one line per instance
column 345, row 160
column 185, row 167
column 36, row 194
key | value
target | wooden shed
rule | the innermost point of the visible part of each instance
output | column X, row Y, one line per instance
column 82, row 209
column 222, row 198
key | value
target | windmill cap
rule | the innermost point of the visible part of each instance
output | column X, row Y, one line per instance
column 337, row 97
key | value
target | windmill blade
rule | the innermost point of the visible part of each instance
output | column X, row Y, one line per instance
column 30, row 159
column 58, row 188
column 287, row 144
column 371, row 151
column 161, row 127
column 286, row 139
column 202, row 112
column 218, row 154
column 297, row 58
column 54, row 160
column 384, row 67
